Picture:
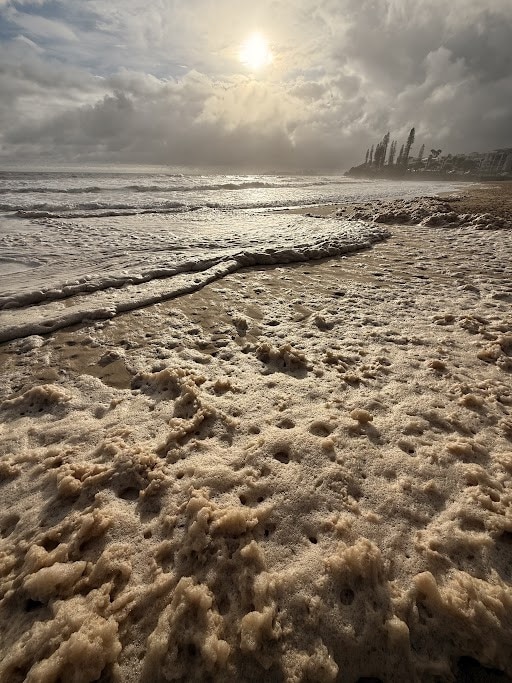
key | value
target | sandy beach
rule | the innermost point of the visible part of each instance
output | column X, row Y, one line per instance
column 297, row 473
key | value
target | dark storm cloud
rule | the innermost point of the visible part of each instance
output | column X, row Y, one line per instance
column 165, row 85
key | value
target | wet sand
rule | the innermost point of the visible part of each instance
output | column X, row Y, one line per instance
column 297, row 473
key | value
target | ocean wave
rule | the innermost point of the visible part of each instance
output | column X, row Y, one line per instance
column 141, row 188
column 103, row 210
column 201, row 188
column 53, row 190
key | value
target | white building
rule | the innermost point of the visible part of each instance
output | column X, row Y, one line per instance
column 497, row 161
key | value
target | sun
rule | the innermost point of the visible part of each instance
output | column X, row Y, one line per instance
column 255, row 52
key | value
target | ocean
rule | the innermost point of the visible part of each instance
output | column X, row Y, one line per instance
column 90, row 244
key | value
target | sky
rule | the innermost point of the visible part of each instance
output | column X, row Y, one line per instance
column 162, row 81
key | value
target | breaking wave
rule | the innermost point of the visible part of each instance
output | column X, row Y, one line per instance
column 99, row 210
column 250, row 185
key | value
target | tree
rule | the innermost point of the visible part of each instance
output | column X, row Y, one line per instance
column 392, row 153
column 385, row 143
column 408, row 145
column 376, row 156
column 400, row 159
column 381, row 149
column 367, row 155
column 371, row 156
column 421, row 153
column 434, row 153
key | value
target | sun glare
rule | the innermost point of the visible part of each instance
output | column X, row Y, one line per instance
column 255, row 52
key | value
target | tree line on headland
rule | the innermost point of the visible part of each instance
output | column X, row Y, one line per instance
column 376, row 157
column 382, row 161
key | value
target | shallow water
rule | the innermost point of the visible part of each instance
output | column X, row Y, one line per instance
column 63, row 234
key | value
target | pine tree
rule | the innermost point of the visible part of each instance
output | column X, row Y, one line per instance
column 421, row 153
column 367, row 155
column 400, row 159
column 371, row 156
column 378, row 155
column 408, row 145
column 385, row 143
column 392, row 153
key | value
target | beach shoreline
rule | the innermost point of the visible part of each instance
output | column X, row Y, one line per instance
column 298, row 472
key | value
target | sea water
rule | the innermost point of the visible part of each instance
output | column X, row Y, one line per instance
column 90, row 244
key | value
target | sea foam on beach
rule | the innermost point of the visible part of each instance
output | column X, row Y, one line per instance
column 295, row 473
column 120, row 265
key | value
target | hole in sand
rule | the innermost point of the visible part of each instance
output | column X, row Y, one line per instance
column 32, row 605
column 8, row 525
column 347, row 596
column 129, row 493
column 243, row 499
column 89, row 544
column 320, row 428
column 313, row 539
column 269, row 529
column 49, row 544
column 223, row 605
column 286, row 423
column 470, row 669
column 506, row 537
column 407, row 447
column 282, row 456
column 472, row 524
column 148, row 533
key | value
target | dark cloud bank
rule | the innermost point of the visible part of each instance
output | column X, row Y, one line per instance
column 168, row 87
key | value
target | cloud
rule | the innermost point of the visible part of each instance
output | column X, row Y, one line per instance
column 159, row 82
column 29, row 43
column 41, row 27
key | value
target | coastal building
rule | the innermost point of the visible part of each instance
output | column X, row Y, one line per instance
column 497, row 161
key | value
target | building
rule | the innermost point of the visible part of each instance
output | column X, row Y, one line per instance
column 497, row 161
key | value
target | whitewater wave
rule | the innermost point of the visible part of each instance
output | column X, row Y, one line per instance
column 52, row 190
column 104, row 210
column 141, row 188
column 97, row 210
column 104, row 296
